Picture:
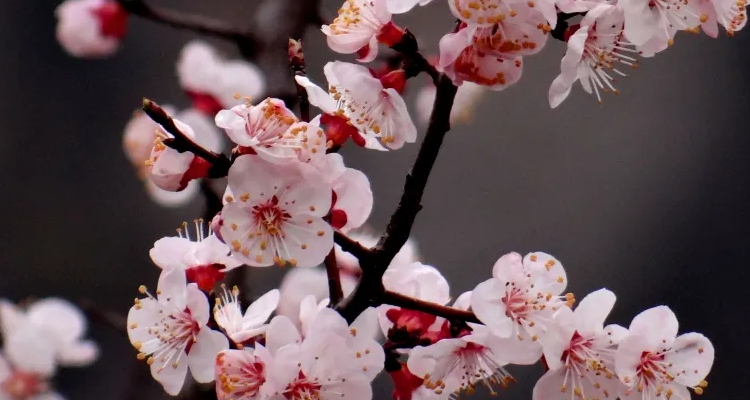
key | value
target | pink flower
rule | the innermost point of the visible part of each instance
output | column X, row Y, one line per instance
column 654, row 363
column 587, row 349
column 20, row 382
column 91, row 28
column 240, row 328
column 469, row 94
column 593, row 51
column 402, row 6
column 204, row 258
column 491, row 56
column 521, row 299
column 359, row 26
column 654, row 23
column 302, row 288
column 170, row 332
column 171, row 170
column 377, row 111
column 272, row 131
column 352, row 196
column 213, row 82
column 731, row 14
column 275, row 214
column 485, row 13
column 47, row 334
column 138, row 140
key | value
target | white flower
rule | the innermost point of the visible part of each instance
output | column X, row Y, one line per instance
column 171, row 170
column 276, row 213
column 353, row 199
column 239, row 327
column 214, row 82
column 90, row 28
column 304, row 289
column 588, row 352
column 170, row 332
column 521, row 299
column 654, row 363
column 468, row 96
column 485, row 13
column 17, row 382
column 49, row 333
column 378, row 112
column 204, row 258
column 402, row 6
column 356, row 28
column 654, row 23
column 593, row 51
column 272, row 131
column 731, row 14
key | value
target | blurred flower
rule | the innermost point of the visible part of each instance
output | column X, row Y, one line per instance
column 90, row 28
column 469, row 94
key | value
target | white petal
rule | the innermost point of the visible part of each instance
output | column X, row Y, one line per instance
column 400, row 6
column 11, row 318
column 281, row 332
column 202, row 356
column 79, row 354
column 548, row 266
column 261, row 309
column 197, row 302
column 693, row 354
column 170, row 252
column 488, row 307
column 452, row 44
column 171, row 378
column 31, row 350
column 309, row 239
column 658, row 324
column 628, row 357
column 59, row 317
column 172, row 287
column 592, row 311
column 549, row 386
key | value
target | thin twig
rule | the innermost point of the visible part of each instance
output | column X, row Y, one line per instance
column 297, row 62
column 219, row 163
column 414, row 62
column 111, row 318
column 399, row 300
column 351, row 246
column 179, row 20
column 335, row 292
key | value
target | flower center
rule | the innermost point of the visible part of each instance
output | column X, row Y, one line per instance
column 470, row 364
column 173, row 336
column 303, row 388
column 244, row 381
column 22, row 385
column 270, row 218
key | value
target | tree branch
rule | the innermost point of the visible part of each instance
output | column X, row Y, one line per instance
column 335, row 293
column 451, row 314
column 179, row 20
column 111, row 318
column 297, row 62
column 351, row 246
column 414, row 62
column 219, row 163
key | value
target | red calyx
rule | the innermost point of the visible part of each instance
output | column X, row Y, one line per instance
column 404, row 383
column 570, row 31
column 205, row 276
column 414, row 322
column 338, row 129
column 205, row 103
column 390, row 34
column 199, row 168
column 113, row 19
column 394, row 80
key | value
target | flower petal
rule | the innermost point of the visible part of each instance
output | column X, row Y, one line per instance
column 691, row 358
column 261, row 309
column 202, row 356
column 592, row 311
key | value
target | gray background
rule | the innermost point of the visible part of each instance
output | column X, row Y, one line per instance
column 647, row 195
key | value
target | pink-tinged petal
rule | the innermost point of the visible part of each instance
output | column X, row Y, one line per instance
column 369, row 52
column 548, row 10
column 197, row 302
column 405, row 130
column 257, row 256
column 561, row 86
column 347, row 44
column 509, row 267
column 366, row 324
column 423, row 360
column 351, row 76
column 203, row 353
column 281, row 332
column 30, row 349
column 170, row 252
column 172, row 287
column 453, row 44
column 78, row 354
column 5, row 369
column 478, row 13
column 167, row 198
column 513, row 350
column 261, row 309
column 592, row 311
column 691, row 358
column 354, row 197
column 611, row 336
column 641, row 24
column 79, row 29
column 355, row 387
column 239, row 77
column 11, row 318
column 143, row 317
column 628, row 357
column 486, row 302
column 463, row 302
column 328, row 320
column 231, row 121
column 400, row 6
column 549, row 267
column 559, row 90
column 550, row 386
column 317, row 96
column 658, row 324
column 171, row 376
column 251, row 175
column 310, row 192
column 308, row 240
column 204, row 128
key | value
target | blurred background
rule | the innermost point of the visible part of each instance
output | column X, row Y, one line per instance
column 646, row 195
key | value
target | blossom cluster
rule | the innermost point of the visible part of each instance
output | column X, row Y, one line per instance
column 291, row 201
column 38, row 339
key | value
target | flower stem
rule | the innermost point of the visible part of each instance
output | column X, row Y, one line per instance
column 335, row 293
column 453, row 314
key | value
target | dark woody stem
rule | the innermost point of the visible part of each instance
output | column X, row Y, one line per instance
column 297, row 62
column 451, row 314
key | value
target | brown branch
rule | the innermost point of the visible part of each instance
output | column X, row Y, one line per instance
column 451, row 314
column 179, row 20
column 351, row 246
column 370, row 290
column 297, row 62
column 219, row 163
column 414, row 62
column 335, row 292
column 106, row 317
